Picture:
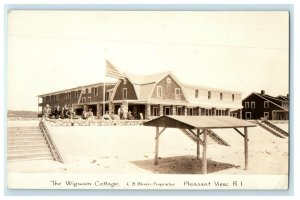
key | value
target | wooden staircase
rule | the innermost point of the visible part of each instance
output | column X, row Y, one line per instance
column 212, row 138
column 272, row 128
column 217, row 138
column 27, row 143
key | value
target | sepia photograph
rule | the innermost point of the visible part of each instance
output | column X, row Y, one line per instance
column 192, row 100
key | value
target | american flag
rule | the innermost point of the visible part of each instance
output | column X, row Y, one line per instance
column 112, row 71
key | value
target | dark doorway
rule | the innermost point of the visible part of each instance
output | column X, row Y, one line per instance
column 167, row 110
column 94, row 109
column 137, row 111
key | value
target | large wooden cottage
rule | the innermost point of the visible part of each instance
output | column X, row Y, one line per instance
column 261, row 105
column 147, row 96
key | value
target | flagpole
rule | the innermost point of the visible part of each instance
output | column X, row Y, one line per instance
column 103, row 110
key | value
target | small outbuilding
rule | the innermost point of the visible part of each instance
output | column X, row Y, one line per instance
column 200, row 124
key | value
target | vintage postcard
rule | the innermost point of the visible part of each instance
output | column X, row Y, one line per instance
column 148, row 100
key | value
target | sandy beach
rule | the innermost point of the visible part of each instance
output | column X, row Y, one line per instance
column 130, row 150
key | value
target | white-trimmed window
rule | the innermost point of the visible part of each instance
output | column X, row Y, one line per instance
column 179, row 110
column 190, row 111
column 252, row 104
column 221, row 96
column 246, row 104
column 232, row 96
column 83, row 100
column 266, row 115
column 207, row 112
column 209, row 94
column 89, row 99
column 154, row 111
column 159, row 91
column 95, row 92
column 83, row 91
column 107, row 94
column 124, row 93
column 266, row 104
column 177, row 93
column 196, row 93
column 248, row 115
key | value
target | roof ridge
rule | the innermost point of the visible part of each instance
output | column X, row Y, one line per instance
column 268, row 100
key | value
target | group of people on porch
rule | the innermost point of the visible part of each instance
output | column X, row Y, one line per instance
column 56, row 112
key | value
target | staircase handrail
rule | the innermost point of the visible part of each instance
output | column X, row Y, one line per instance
column 50, row 141
column 276, row 127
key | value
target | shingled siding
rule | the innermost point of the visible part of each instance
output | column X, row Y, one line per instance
column 130, row 91
column 62, row 100
column 168, row 89
column 258, row 111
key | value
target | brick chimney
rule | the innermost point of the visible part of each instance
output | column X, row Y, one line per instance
column 262, row 92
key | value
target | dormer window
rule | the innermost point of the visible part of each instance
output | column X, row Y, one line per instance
column 209, row 94
column 125, row 81
column 196, row 93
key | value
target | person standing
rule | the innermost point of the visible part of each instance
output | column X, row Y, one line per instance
column 47, row 111
column 64, row 112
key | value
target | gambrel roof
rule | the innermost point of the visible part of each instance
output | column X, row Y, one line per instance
column 144, row 85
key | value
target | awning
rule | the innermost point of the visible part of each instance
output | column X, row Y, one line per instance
column 202, row 124
column 195, row 122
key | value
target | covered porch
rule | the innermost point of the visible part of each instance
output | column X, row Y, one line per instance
column 280, row 115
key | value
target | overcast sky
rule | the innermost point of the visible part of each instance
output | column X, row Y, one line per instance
column 55, row 50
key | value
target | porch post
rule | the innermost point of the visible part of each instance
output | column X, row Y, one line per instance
column 185, row 110
column 227, row 112
column 99, row 109
column 174, row 110
column 161, row 110
column 38, row 105
column 111, row 107
column 147, row 111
